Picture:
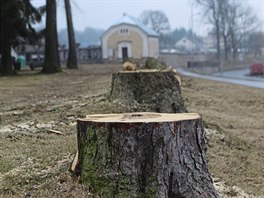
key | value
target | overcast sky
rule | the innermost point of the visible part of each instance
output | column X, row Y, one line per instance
column 103, row 13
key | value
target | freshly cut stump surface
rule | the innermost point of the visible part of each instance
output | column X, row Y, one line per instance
column 153, row 90
column 144, row 155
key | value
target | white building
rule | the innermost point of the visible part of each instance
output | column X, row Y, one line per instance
column 186, row 44
column 129, row 38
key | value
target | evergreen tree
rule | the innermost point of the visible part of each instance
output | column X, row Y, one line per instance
column 16, row 22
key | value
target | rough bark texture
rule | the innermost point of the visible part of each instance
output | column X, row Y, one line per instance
column 145, row 159
column 6, row 61
column 218, row 53
column 155, row 91
column 52, row 62
column 72, row 57
column 6, row 65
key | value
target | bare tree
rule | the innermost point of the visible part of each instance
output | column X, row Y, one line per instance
column 157, row 20
column 72, row 57
column 226, row 17
column 211, row 9
column 243, row 22
column 256, row 43
column 232, row 20
column 52, row 61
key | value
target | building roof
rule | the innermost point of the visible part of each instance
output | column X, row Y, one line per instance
column 86, row 44
column 129, row 20
column 194, row 40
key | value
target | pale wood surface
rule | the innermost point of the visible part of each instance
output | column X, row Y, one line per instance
column 147, row 71
column 141, row 117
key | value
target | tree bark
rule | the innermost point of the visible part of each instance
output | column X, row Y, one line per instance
column 144, row 155
column 225, row 46
column 218, row 54
column 52, row 61
column 6, row 60
column 72, row 57
column 234, row 46
column 6, row 66
column 151, row 90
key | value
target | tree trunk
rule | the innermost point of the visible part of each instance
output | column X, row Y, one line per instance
column 144, row 155
column 150, row 90
column 225, row 46
column 52, row 61
column 6, row 60
column 234, row 46
column 6, row 66
column 72, row 57
column 218, row 40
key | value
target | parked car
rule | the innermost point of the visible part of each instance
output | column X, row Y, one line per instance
column 257, row 69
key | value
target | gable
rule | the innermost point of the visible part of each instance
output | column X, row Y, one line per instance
column 124, row 30
column 132, row 21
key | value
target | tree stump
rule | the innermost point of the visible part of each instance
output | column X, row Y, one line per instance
column 153, row 90
column 144, row 155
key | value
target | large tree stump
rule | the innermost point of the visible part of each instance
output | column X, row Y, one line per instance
column 144, row 155
column 153, row 90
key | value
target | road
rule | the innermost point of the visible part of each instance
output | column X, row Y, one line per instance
column 236, row 77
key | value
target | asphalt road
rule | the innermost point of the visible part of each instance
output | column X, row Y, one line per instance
column 235, row 77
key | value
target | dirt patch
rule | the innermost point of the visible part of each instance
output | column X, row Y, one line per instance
column 35, row 163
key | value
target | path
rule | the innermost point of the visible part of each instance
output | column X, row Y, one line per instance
column 235, row 77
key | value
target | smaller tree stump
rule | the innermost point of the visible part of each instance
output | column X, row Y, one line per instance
column 156, row 90
column 144, row 155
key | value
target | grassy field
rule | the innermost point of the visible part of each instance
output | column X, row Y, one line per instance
column 35, row 163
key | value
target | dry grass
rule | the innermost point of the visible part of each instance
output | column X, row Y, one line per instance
column 35, row 163
column 236, row 150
